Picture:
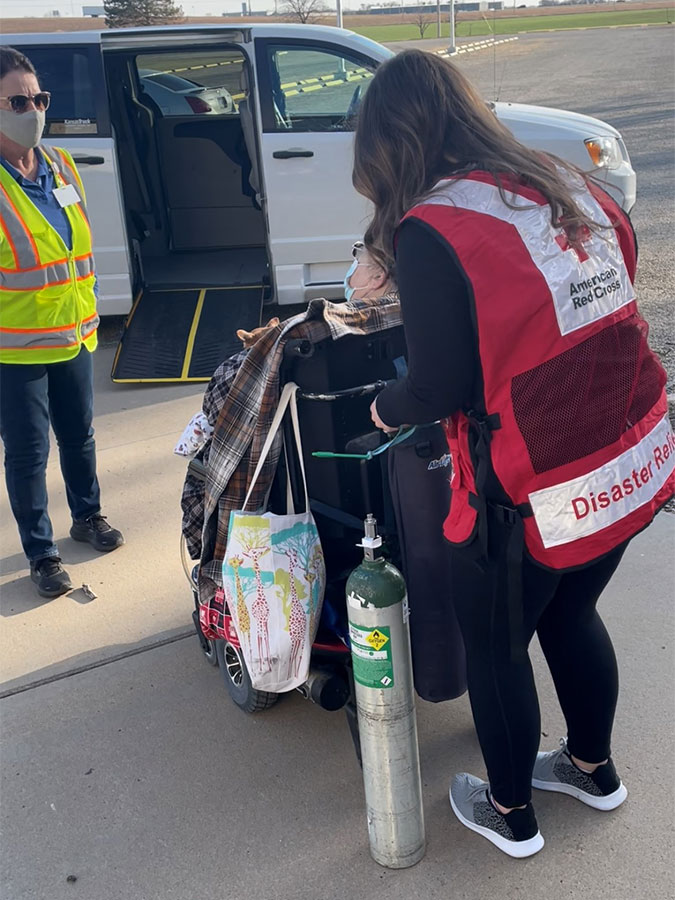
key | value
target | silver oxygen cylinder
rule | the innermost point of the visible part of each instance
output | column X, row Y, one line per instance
column 377, row 607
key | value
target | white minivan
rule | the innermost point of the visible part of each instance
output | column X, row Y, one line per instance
column 217, row 162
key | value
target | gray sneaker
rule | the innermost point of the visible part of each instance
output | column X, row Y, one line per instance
column 555, row 771
column 516, row 833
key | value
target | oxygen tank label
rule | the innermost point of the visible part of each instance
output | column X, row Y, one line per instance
column 371, row 656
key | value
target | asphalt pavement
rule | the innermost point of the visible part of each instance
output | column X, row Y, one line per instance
column 124, row 765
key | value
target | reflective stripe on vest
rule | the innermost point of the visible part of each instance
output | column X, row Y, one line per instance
column 20, row 239
column 46, row 276
column 586, row 505
column 38, row 338
column 47, row 338
column 89, row 325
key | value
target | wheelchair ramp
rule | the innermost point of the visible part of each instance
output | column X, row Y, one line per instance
column 184, row 335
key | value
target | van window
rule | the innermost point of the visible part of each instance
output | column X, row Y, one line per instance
column 68, row 73
column 314, row 88
column 191, row 83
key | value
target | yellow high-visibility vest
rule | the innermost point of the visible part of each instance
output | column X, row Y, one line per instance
column 47, row 300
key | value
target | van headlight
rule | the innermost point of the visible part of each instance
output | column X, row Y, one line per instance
column 604, row 151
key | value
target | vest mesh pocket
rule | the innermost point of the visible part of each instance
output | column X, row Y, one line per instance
column 587, row 397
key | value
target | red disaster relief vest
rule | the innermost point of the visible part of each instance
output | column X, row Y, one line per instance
column 575, row 419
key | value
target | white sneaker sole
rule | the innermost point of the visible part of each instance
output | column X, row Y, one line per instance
column 516, row 849
column 611, row 801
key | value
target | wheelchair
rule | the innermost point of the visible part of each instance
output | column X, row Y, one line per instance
column 337, row 381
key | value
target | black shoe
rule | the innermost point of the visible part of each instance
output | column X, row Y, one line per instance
column 51, row 578
column 96, row 531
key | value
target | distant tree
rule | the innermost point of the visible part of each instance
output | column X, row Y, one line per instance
column 304, row 11
column 423, row 19
column 122, row 13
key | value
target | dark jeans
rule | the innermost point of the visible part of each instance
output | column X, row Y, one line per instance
column 30, row 397
column 578, row 650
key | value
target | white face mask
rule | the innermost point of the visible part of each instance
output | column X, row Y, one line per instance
column 349, row 290
column 25, row 129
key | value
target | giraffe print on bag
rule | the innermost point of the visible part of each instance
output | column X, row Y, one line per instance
column 275, row 571
column 316, row 577
column 297, row 623
column 261, row 612
column 242, row 619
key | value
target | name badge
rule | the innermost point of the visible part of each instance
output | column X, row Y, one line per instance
column 66, row 196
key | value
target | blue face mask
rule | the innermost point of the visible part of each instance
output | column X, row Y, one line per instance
column 349, row 291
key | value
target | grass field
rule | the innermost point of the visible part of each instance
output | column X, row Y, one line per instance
column 514, row 25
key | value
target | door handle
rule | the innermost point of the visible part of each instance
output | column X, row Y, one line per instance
column 89, row 160
column 291, row 154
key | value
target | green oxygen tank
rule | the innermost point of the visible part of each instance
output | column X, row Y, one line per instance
column 377, row 608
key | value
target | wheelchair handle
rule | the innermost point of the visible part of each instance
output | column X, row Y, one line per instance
column 361, row 390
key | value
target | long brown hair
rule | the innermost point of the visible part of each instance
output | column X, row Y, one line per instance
column 421, row 120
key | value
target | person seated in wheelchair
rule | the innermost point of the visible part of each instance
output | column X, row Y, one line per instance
column 366, row 280
column 240, row 400
column 367, row 285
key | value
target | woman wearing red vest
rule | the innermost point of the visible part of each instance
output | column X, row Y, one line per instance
column 516, row 283
column 48, row 323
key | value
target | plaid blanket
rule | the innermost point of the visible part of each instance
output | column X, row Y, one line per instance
column 192, row 498
column 240, row 402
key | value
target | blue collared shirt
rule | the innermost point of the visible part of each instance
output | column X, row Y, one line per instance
column 40, row 192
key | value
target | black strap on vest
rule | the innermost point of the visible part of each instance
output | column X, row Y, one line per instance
column 511, row 571
column 508, row 518
column 482, row 427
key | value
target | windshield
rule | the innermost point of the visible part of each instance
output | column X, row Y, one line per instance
column 376, row 51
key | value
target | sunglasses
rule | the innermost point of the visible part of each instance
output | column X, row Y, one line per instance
column 19, row 102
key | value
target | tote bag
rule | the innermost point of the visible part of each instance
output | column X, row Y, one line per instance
column 274, row 577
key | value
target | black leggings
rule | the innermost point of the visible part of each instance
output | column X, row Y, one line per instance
column 578, row 650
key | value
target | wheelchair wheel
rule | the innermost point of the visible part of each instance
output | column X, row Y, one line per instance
column 206, row 645
column 238, row 682
column 209, row 652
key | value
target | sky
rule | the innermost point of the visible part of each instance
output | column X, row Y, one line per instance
column 11, row 8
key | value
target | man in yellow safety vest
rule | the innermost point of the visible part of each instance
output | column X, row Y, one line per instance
column 48, row 323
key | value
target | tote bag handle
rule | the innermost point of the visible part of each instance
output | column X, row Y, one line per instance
column 286, row 400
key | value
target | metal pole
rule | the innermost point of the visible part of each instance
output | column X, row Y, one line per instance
column 377, row 608
column 452, row 48
column 438, row 18
column 338, row 5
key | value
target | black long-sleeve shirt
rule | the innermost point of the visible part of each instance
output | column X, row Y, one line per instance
column 442, row 351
